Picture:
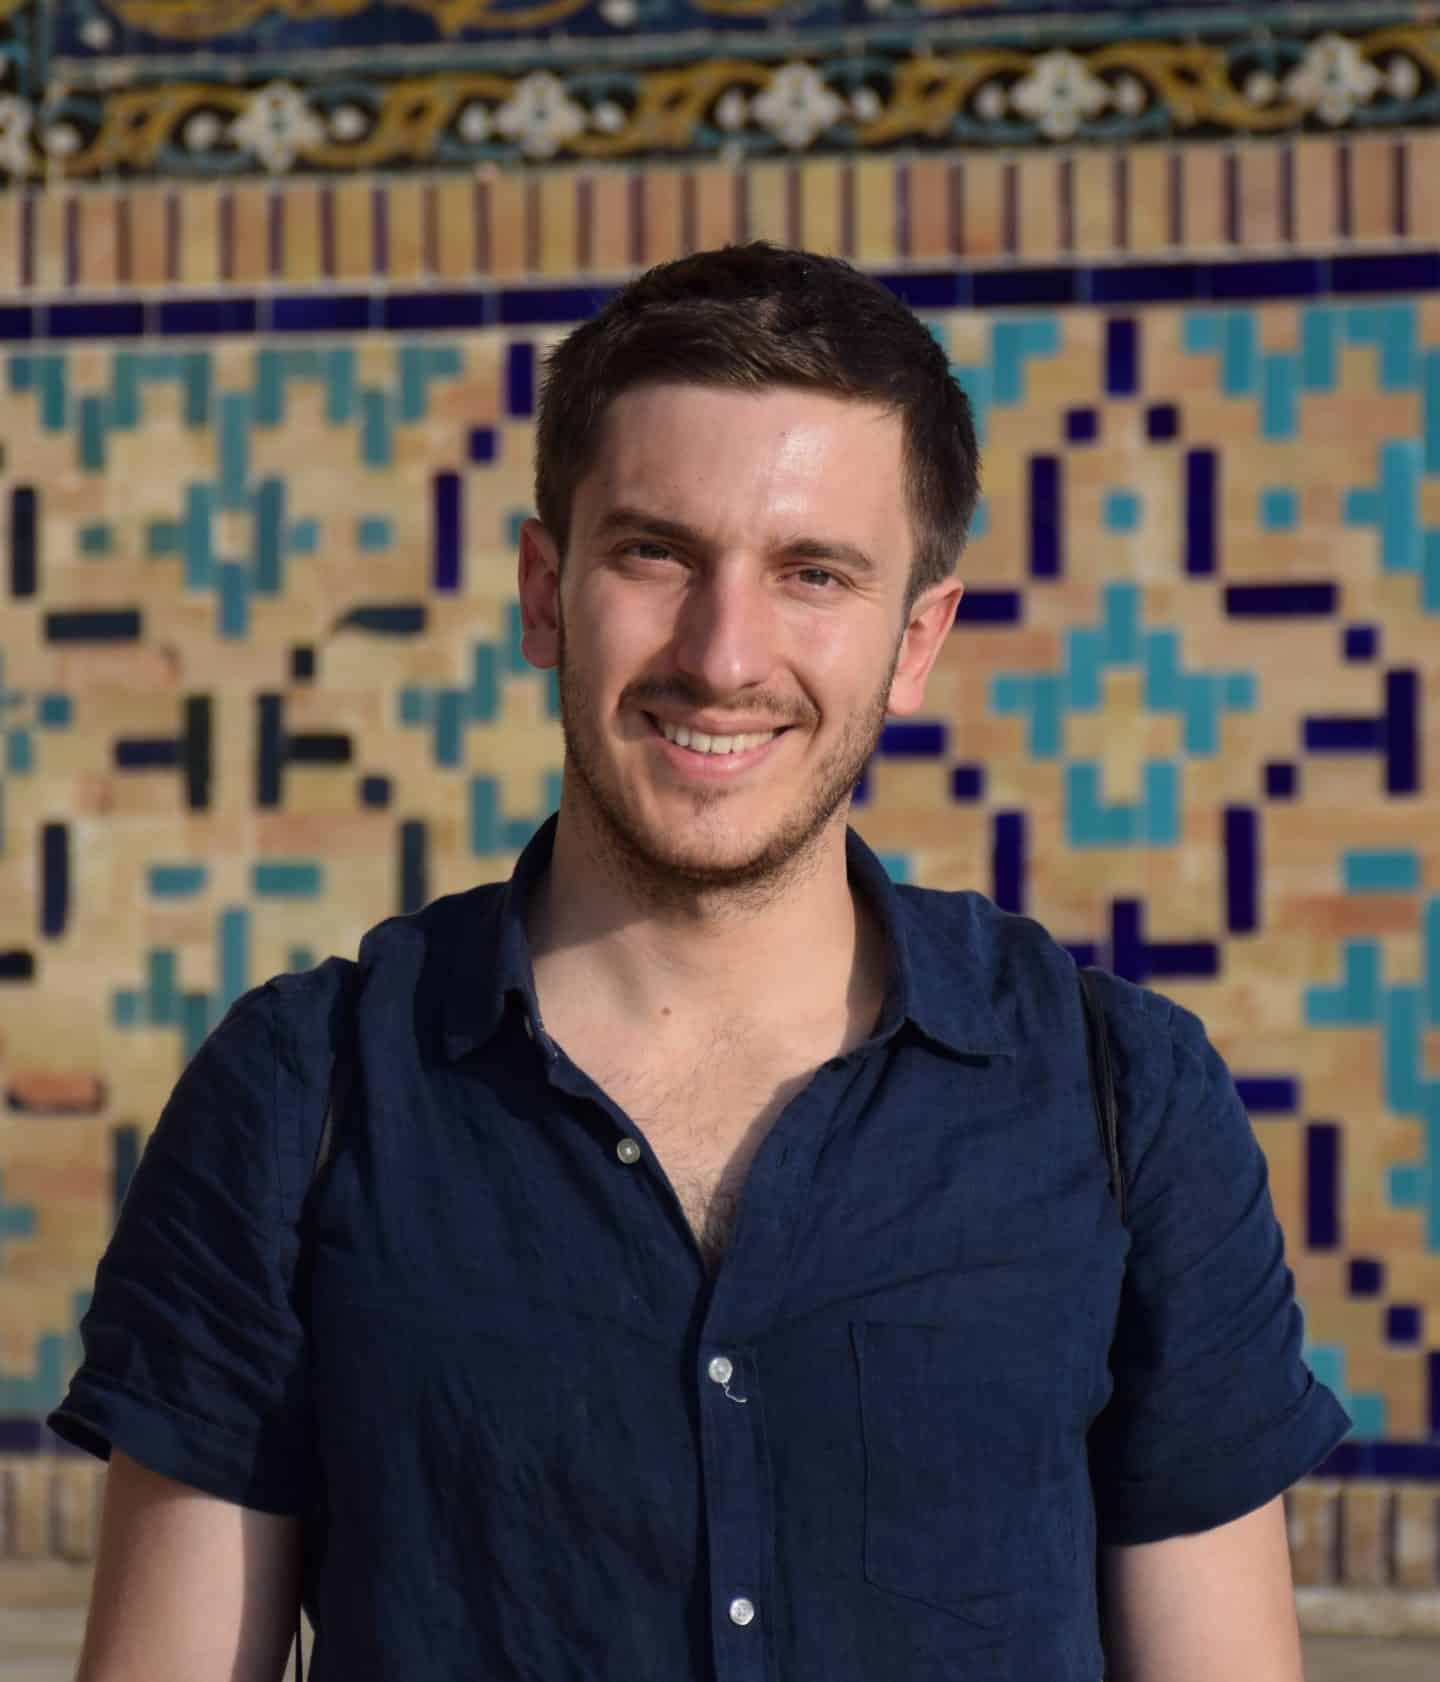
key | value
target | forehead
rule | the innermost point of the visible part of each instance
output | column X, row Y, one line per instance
column 727, row 458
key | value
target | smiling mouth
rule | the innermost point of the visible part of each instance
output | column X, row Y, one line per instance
column 715, row 747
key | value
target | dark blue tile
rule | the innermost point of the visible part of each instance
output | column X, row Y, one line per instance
column 195, row 754
column 1007, row 861
column 414, row 865
column 934, row 290
column 54, row 879
column 1122, row 356
column 1367, row 1277
column 1343, row 735
column 1145, row 283
column 145, row 753
column 447, row 525
column 1082, row 426
column 990, row 607
column 16, row 321
column 1268, row 1094
column 319, row 747
column 1362, row 642
column 967, row 782
column 116, row 319
column 1322, row 1185
column 481, row 443
column 1127, row 940
column 1402, row 1323
column 1162, row 422
column 427, row 311
column 1280, row 277
column 203, row 317
column 1402, row 732
column 302, row 663
column 1046, row 517
column 860, row 794
column 1260, row 601
column 550, row 305
column 387, row 618
column 520, row 379
column 375, row 791
column 1242, row 869
column 1386, row 271
column 1084, row 952
column 270, row 749
column 320, row 312
column 24, row 542
column 1417, row 1462
column 1021, row 288
column 912, row 741
column 1280, row 780
column 1172, row 960
column 1202, row 489
column 120, row 624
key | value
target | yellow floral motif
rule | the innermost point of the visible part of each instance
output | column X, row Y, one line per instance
column 1190, row 81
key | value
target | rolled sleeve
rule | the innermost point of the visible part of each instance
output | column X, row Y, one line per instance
column 193, row 1353
column 1214, row 1411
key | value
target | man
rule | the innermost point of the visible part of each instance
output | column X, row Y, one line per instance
column 716, row 1275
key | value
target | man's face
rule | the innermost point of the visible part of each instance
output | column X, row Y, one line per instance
column 737, row 565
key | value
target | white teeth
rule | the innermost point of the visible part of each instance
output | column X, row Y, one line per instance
column 699, row 742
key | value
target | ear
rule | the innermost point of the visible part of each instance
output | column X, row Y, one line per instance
column 929, row 624
column 539, row 580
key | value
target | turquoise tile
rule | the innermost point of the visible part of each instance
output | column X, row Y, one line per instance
column 1406, row 1185
column 897, row 866
column 1430, row 573
column 288, row 879
column 412, row 400
column 1430, row 405
column 1239, row 354
column 484, row 816
column 1279, row 508
column 1317, row 348
column 414, row 704
column 978, row 384
column 515, row 662
column 373, row 531
column 1430, row 940
column 237, row 409
column 1201, row 332
column 1368, row 1413
column 1120, row 511
column 1279, row 404
column 1400, row 506
column 162, row 996
column 1327, row 1362
column 552, row 693
column 1083, row 664
column 1240, row 691
column 19, row 757
column 340, row 385
column 1355, row 1001
column 96, row 539
column 301, row 958
column 445, row 362
column 269, row 387
column 125, row 375
column 304, row 537
column 269, row 536
column 197, row 1018
column 980, row 519
column 1402, row 1048
column 1361, row 507
column 1012, row 344
column 518, row 833
column 177, row 881
column 1199, row 709
column 163, row 537
column 1121, row 613
column 1160, row 803
column 1430, row 1113
column 1377, row 872
column 20, row 371
column 1047, row 715
column 92, row 434
column 125, row 1008
column 56, row 711
column 195, row 535
column 233, row 584
column 303, row 362
column 513, row 522
column 197, row 383
column 483, row 696
column 1162, row 671
column 51, row 383
column 449, row 713
column 1390, row 328
column 375, row 438
column 554, row 789
column 234, row 939
column 1088, row 823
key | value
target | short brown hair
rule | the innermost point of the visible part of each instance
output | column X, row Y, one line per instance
column 758, row 315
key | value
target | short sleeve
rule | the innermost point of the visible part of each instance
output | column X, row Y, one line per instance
column 1214, row 1412
column 193, row 1355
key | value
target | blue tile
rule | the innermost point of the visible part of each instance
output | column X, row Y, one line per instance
column 116, row 319
column 967, row 782
column 1202, row 476
column 480, row 445
column 1160, row 804
column 1046, row 517
column 913, row 741
column 1018, row 288
column 1322, row 1168
column 16, row 321
column 520, row 379
column 921, row 289
column 55, row 712
column 373, row 531
column 431, row 311
column 1318, row 333
column 340, row 389
column 1430, row 387
column 1082, row 426
column 204, row 318
column 1200, row 332
column 1381, row 871
column 1242, row 869
column 1279, row 508
column 1162, row 422
column 990, row 607
column 234, row 941
column 1120, row 511
column 375, row 791
column 1367, row 1277
column 1251, row 601
column 1279, row 406
column 1402, row 1325
column 447, row 527
column 320, row 312
column 1390, row 271
column 542, row 305
column 1400, row 506
column 1239, row 354
column 1120, row 612
column 1146, row 283
column 1361, row 642
column 1084, row 661
column 267, row 549
column 177, row 881
column 288, row 879
column 484, row 816
column 376, row 442
column 1280, row 277
column 1122, row 356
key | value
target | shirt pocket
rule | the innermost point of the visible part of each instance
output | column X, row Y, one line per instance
column 973, row 1484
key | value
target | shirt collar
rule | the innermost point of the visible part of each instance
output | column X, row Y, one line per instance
column 938, row 979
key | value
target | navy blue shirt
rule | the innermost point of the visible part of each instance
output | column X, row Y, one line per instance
column 532, row 1440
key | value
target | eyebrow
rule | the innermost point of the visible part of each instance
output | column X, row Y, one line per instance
column 623, row 518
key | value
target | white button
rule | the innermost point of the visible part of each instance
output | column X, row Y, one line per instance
column 720, row 1370
column 741, row 1611
column 628, row 1151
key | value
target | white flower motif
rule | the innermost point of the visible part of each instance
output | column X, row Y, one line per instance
column 1129, row 95
column 1260, row 87
column 730, row 109
column 475, row 124
column 541, row 114
column 277, row 125
column 1059, row 93
column 865, row 104
column 1332, row 79
column 347, row 122
column 96, row 33
column 608, row 116
column 15, row 121
column 797, row 105
column 1403, row 77
column 61, row 140
column 991, row 101
column 619, row 14
column 201, row 131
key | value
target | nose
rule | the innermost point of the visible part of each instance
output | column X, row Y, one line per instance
column 725, row 633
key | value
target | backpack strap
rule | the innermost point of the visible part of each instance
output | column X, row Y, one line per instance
column 1102, row 1080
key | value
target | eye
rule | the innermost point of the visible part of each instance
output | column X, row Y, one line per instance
column 644, row 543
column 818, row 572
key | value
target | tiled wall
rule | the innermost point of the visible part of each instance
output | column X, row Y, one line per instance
column 266, row 443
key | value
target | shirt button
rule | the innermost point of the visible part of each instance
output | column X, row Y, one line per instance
column 741, row 1611
column 628, row 1151
column 720, row 1370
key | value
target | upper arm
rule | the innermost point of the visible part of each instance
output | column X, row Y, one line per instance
column 187, row 1586
column 1205, row 1607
